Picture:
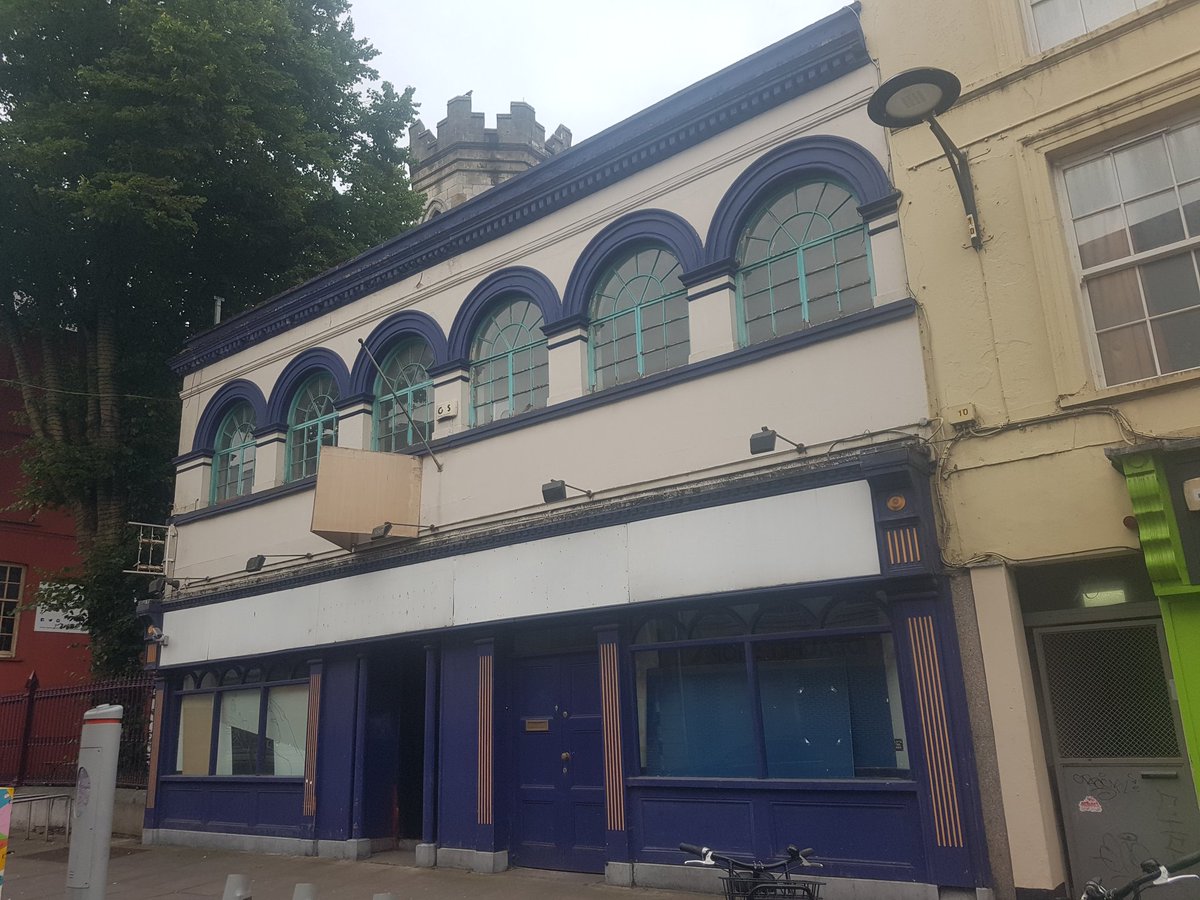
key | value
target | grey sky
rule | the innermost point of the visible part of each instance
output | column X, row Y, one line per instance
column 586, row 66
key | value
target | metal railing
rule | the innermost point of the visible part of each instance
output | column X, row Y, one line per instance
column 50, row 801
column 39, row 730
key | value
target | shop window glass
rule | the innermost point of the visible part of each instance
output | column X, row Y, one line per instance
column 194, row 740
column 825, row 706
column 237, row 737
column 287, row 726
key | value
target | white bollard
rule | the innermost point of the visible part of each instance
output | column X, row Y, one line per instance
column 305, row 892
column 237, row 887
column 95, row 791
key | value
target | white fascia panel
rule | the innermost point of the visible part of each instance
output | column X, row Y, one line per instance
column 823, row 534
column 819, row 535
column 559, row 574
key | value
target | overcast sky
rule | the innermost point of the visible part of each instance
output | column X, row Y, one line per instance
column 585, row 65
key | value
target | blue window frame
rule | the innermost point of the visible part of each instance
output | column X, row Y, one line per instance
column 803, row 259
column 789, row 688
column 243, row 722
column 405, row 385
column 312, row 424
column 639, row 318
column 510, row 363
column 233, row 455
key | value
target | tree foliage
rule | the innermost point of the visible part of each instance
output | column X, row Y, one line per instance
column 155, row 154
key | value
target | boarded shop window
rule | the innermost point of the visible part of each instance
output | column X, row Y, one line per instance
column 260, row 730
column 771, row 704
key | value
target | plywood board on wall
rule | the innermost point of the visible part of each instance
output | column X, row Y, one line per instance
column 358, row 490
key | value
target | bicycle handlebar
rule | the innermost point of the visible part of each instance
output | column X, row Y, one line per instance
column 710, row 856
column 1153, row 871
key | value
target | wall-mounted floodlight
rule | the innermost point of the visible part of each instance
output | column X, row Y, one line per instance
column 255, row 563
column 160, row 584
column 379, row 532
column 921, row 95
column 764, row 441
column 556, row 489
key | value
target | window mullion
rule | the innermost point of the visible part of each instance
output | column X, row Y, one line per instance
column 755, row 700
column 215, row 735
column 260, row 754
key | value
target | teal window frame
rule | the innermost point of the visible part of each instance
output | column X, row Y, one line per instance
column 636, row 295
column 312, row 424
column 407, row 369
column 506, row 345
column 841, row 209
column 233, row 452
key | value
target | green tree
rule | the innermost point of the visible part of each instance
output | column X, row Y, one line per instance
column 155, row 154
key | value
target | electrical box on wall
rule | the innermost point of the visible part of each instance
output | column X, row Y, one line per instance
column 959, row 413
column 1191, row 494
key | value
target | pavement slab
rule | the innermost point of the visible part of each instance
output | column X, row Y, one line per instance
column 37, row 871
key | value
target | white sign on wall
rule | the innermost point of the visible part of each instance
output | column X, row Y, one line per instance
column 59, row 619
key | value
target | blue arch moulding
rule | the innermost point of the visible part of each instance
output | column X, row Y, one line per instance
column 648, row 226
column 222, row 401
column 409, row 323
column 816, row 157
column 521, row 280
column 309, row 363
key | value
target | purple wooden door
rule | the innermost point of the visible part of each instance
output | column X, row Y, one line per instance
column 559, row 809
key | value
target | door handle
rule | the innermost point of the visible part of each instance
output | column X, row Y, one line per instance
column 566, row 757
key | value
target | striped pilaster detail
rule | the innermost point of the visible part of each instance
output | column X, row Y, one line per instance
column 160, row 695
column 903, row 545
column 483, row 800
column 610, row 704
column 310, row 745
column 939, row 762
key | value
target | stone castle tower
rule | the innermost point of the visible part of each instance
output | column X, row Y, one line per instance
column 466, row 159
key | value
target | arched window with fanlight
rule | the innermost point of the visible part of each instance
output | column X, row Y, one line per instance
column 509, row 362
column 803, row 259
column 233, row 454
column 404, row 385
column 312, row 424
column 639, row 318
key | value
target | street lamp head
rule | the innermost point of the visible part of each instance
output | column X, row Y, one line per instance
column 913, row 96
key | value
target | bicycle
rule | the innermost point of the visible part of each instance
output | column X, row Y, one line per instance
column 1154, row 874
column 752, row 879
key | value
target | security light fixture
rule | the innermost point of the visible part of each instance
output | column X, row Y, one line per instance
column 159, row 585
column 556, row 489
column 764, row 441
column 255, row 563
column 921, row 95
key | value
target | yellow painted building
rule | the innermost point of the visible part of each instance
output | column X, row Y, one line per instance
column 1064, row 361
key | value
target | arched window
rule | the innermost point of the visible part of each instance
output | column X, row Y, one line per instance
column 405, row 383
column 233, row 455
column 312, row 424
column 639, row 318
column 509, row 363
column 801, row 261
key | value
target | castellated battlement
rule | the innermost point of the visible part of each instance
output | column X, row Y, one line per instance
column 465, row 158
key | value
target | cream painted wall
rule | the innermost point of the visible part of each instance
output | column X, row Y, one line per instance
column 817, row 394
column 690, row 183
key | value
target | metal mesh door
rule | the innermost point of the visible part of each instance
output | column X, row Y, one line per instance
column 1108, row 693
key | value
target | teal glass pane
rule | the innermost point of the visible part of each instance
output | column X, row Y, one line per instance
column 629, row 308
column 312, row 424
column 404, row 387
column 233, row 455
column 510, row 363
column 815, row 265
